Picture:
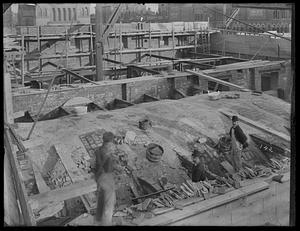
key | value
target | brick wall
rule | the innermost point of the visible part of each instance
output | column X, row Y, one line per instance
column 101, row 95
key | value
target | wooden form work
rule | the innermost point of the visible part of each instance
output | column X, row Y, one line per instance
column 51, row 39
column 25, row 210
column 205, row 205
column 202, row 75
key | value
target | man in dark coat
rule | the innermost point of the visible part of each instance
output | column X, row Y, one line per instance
column 200, row 171
column 238, row 142
column 106, row 197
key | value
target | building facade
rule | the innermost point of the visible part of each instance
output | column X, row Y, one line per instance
column 52, row 14
column 266, row 19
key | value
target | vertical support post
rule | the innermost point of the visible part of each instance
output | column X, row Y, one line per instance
column 22, row 59
column 91, row 46
column 121, row 44
column 8, row 110
column 67, row 47
column 173, row 40
column 195, row 43
column 39, row 47
column 99, row 43
column 150, row 41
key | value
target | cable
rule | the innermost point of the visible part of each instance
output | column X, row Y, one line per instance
column 247, row 24
column 259, row 49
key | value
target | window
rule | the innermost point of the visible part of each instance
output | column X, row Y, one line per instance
column 65, row 14
column 74, row 14
column 45, row 13
column 70, row 14
column 86, row 11
column 40, row 12
column 82, row 12
column 59, row 14
column 54, row 14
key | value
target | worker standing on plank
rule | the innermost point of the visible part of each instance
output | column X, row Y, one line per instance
column 238, row 143
column 105, row 181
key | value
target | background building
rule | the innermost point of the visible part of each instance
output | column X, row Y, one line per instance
column 51, row 14
column 266, row 19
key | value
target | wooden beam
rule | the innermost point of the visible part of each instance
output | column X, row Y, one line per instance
column 62, row 194
column 258, row 125
column 205, row 205
column 200, row 74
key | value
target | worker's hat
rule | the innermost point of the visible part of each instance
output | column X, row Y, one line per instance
column 235, row 118
column 108, row 137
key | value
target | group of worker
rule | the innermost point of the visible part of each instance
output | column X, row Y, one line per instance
column 200, row 171
column 104, row 167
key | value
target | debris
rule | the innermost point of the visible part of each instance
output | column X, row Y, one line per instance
column 120, row 214
column 129, row 137
column 145, row 124
column 277, row 178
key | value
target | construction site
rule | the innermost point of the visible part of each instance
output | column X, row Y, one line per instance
column 165, row 91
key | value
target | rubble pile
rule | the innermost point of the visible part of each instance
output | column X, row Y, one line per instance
column 58, row 176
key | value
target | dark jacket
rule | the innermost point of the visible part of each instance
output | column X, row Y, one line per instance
column 104, row 161
column 198, row 173
column 239, row 134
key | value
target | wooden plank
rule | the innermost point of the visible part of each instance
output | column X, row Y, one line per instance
column 40, row 182
column 201, row 74
column 67, row 161
column 257, row 125
column 52, row 209
column 205, row 205
column 65, row 193
column 20, row 187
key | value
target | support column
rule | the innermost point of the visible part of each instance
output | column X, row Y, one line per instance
column 257, row 78
column 22, row 60
column 99, row 44
column 8, row 106
column 91, row 46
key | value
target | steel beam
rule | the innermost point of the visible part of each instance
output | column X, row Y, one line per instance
column 144, row 69
column 272, row 6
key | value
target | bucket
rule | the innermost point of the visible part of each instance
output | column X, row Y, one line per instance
column 214, row 95
column 80, row 110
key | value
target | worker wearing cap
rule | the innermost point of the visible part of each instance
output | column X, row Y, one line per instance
column 238, row 143
column 105, row 181
column 200, row 170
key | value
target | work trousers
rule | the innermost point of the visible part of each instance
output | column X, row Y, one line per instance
column 236, row 154
column 106, row 199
